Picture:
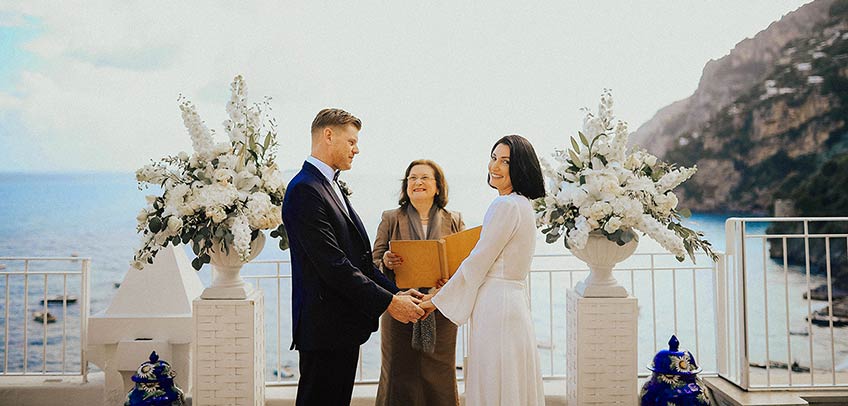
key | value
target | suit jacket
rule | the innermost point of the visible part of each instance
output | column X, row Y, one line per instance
column 337, row 294
column 395, row 226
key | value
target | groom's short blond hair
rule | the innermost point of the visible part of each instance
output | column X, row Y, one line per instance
column 334, row 117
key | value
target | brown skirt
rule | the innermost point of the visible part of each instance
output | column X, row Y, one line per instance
column 409, row 377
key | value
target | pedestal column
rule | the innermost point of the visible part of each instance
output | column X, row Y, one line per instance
column 229, row 356
column 602, row 335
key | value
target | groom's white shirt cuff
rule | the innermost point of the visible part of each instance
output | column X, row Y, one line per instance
column 328, row 173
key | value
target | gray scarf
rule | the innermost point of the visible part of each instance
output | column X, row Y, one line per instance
column 424, row 331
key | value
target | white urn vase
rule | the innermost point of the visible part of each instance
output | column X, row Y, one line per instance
column 601, row 255
column 226, row 271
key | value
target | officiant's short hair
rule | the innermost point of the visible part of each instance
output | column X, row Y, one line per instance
column 334, row 117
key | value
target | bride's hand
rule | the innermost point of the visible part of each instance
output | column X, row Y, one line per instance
column 428, row 308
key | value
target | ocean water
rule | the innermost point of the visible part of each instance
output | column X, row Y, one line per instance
column 93, row 215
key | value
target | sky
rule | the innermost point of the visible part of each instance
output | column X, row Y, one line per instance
column 93, row 85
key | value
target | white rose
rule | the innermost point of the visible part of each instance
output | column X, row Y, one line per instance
column 612, row 225
column 650, row 160
column 183, row 156
column 222, row 175
column 217, row 214
column 174, row 224
column 142, row 216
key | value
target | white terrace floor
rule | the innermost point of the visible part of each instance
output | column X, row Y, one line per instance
column 45, row 391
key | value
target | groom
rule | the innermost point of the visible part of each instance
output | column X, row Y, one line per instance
column 337, row 294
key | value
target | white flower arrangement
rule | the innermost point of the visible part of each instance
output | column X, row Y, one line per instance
column 598, row 186
column 224, row 193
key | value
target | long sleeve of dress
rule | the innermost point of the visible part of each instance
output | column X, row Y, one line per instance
column 456, row 299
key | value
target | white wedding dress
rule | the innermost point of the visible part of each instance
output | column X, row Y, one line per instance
column 489, row 288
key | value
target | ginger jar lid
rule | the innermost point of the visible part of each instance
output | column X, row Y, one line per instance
column 673, row 361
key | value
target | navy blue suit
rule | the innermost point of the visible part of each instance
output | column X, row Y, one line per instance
column 337, row 293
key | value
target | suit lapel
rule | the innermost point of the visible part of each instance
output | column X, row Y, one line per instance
column 356, row 221
column 348, row 214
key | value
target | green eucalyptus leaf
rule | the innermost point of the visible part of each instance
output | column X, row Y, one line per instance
column 575, row 145
column 583, row 138
column 196, row 264
column 155, row 224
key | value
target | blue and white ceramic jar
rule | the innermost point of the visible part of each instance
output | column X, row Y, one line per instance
column 154, row 385
column 674, row 381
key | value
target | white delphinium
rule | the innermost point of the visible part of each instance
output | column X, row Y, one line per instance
column 661, row 234
column 241, row 236
column 674, row 178
column 201, row 136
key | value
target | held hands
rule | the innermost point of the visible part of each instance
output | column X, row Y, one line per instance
column 428, row 308
column 426, row 302
column 404, row 307
column 412, row 292
column 391, row 260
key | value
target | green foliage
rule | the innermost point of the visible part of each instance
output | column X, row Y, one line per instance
column 824, row 193
column 839, row 8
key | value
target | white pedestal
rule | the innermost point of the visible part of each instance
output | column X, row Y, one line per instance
column 602, row 350
column 229, row 355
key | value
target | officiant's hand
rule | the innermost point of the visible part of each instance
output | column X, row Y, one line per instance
column 405, row 308
column 391, row 260
column 412, row 292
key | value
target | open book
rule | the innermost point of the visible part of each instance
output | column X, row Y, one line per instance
column 427, row 261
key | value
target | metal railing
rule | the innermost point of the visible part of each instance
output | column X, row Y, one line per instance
column 778, row 328
column 669, row 294
column 56, row 297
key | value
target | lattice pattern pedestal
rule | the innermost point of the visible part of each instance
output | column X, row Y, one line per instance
column 602, row 351
column 229, row 351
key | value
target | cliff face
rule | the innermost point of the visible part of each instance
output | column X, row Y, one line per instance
column 765, row 117
column 722, row 80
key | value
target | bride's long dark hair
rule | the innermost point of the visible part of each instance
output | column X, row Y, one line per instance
column 524, row 169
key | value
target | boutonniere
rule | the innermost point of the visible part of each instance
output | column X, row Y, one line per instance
column 344, row 188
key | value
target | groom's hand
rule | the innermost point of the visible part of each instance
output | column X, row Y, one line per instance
column 411, row 292
column 404, row 309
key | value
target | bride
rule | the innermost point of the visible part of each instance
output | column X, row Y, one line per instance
column 489, row 287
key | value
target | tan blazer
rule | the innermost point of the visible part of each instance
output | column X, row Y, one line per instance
column 395, row 226
column 409, row 377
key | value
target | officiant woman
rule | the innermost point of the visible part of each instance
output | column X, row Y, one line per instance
column 418, row 359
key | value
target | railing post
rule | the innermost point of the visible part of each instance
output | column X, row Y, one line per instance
column 744, row 358
column 721, row 322
column 84, row 306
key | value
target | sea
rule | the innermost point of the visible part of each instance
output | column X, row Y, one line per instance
column 93, row 215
